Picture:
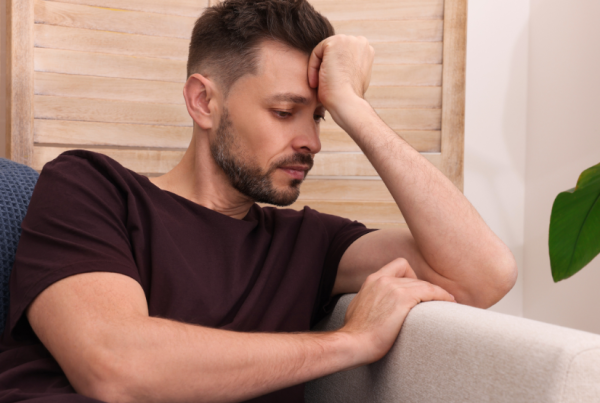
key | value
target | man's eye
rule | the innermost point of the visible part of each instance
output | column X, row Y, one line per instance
column 319, row 118
column 282, row 114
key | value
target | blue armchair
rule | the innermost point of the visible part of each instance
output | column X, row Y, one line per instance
column 16, row 186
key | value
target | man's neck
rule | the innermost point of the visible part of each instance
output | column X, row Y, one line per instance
column 198, row 178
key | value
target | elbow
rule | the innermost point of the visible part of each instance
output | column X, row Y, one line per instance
column 108, row 378
column 499, row 277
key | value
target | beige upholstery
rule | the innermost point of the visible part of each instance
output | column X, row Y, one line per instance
column 453, row 353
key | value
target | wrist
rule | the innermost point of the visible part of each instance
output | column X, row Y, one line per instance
column 349, row 111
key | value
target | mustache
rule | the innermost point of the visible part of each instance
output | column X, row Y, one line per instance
column 297, row 158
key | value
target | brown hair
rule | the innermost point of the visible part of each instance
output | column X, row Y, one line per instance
column 226, row 38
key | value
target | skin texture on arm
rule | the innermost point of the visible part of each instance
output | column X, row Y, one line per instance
column 96, row 325
column 448, row 243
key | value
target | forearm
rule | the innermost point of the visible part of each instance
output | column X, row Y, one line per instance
column 451, row 236
column 164, row 361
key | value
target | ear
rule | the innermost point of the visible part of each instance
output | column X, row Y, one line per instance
column 200, row 95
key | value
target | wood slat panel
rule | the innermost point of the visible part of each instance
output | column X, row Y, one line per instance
column 407, row 74
column 189, row 8
column 408, row 52
column 97, row 110
column 393, row 31
column 344, row 189
column 161, row 161
column 421, row 140
column 131, row 135
column 400, row 119
column 455, row 48
column 404, row 97
column 342, row 164
column 114, row 20
column 105, row 65
column 92, row 110
column 68, row 85
column 19, row 80
column 142, row 161
column 380, row 9
column 363, row 211
column 87, row 40
column 111, row 134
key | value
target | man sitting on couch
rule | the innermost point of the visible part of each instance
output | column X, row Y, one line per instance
column 181, row 288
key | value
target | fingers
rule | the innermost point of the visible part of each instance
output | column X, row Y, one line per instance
column 396, row 268
column 314, row 63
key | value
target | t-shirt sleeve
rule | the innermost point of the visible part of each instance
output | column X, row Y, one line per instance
column 75, row 223
column 342, row 233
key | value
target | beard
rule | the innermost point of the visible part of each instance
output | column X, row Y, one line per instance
column 246, row 176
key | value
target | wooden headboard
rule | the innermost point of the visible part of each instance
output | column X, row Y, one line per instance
column 107, row 75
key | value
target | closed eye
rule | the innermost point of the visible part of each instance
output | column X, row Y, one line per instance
column 318, row 118
column 282, row 114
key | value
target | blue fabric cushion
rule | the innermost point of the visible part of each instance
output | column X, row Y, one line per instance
column 16, row 186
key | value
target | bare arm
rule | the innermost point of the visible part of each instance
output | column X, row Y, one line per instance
column 448, row 243
column 96, row 325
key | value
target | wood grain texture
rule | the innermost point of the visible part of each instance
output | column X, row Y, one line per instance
column 421, row 140
column 393, row 31
column 453, row 98
column 408, row 52
column 80, row 133
column 380, row 9
column 404, row 97
column 69, row 85
column 97, row 110
column 400, row 119
column 188, row 8
column 161, row 161
column 19, row 84
column 315, row 188
column 122, row 66
column 114, row 20
column 107, row 65
column 87, row 40
column 407, row 74
column 84, row 134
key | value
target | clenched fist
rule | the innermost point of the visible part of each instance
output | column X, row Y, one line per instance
column 340, row 66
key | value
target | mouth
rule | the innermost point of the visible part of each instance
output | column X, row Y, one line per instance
column 297, row 172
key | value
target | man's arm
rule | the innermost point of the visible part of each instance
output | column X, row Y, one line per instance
column 96, row 326
column 448, row 243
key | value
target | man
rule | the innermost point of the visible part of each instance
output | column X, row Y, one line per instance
column 180, row 288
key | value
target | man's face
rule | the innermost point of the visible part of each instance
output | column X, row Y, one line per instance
column 268, row 131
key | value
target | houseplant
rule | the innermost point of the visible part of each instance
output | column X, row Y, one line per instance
column 574, row 238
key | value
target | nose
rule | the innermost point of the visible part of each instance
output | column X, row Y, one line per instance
column 307, row 140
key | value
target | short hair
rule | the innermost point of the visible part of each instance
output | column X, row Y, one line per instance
column 226, row 38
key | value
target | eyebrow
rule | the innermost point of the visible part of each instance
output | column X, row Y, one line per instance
column 289, row 97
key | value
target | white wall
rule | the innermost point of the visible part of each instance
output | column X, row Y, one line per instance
column 563, row 139
column 496, row 124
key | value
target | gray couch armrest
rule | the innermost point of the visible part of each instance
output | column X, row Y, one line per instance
column 454, row 353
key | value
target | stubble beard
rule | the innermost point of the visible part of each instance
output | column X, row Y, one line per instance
column 246, row 176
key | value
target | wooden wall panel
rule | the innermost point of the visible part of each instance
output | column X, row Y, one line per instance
column 109, row 65
column 107, row 75
column 187, row 8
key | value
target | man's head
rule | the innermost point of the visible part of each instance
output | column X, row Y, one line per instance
column 255, row 53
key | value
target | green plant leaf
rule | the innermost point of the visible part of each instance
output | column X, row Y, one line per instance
column 575, row 226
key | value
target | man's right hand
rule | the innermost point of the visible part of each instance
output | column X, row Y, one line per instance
column 376, row 314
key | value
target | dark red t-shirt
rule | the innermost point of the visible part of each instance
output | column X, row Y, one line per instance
column 272, row 271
